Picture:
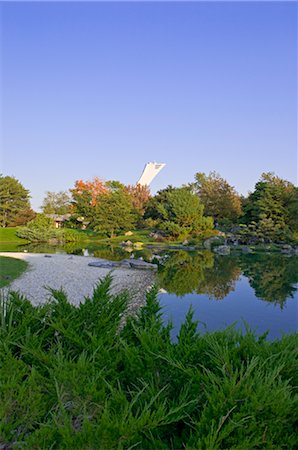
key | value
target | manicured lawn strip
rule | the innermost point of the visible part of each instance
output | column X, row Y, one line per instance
column 10, row 269
column 8, row 235
column 72, row 377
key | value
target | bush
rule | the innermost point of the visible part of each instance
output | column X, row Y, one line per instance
column 174, row 231
column 263, row 232
column 70, row 235
column 35, row 235
column 75, row 377
column 41, row 229
column 151, row 223
column 41, row 222
column 200, row 237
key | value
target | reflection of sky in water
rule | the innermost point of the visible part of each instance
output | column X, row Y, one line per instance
column 238, row 305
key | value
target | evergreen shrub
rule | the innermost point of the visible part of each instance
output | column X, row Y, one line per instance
column 85, row 378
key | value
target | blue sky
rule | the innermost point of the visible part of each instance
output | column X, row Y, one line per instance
column 99, row 89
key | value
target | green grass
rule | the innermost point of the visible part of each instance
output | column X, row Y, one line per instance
column 10, row 269
column 8, row 235
column 137, row 236
column 74, row 378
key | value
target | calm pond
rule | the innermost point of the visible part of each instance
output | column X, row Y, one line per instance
column 257, row 289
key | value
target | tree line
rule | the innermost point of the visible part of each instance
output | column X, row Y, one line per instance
column 267, row 214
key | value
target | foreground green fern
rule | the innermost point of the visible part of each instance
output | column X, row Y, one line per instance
column 73, row 378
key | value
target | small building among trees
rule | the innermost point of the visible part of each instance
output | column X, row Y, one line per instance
column 59, row 219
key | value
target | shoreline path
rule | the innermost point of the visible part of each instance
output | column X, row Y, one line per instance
column 72, row 273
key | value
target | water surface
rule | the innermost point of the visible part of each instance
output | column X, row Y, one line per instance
column 259, row 289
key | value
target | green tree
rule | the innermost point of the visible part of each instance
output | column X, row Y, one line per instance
column 286, row 193
column 114, row 185
column 273, row 207
column 24, row 216
column 41, row 223
column 152, row 206
column 291, row 206
column 219, row 198
column 56, row 203
column 179, row 212
column 113, row 213
column 14, row 202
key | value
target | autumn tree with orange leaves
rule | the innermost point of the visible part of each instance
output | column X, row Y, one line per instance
column 93, row 188
column 85, row 196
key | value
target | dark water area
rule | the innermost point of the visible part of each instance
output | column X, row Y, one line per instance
column 259, row 290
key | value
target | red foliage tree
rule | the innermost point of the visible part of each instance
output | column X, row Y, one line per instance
column 93, row 189
column 139, row 197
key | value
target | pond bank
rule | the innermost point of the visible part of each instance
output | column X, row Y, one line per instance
column 76, row 277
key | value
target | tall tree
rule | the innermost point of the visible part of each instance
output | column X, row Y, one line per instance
column 219, row 198
column 114, row 185
column 14, row 202
column 179, row 212
column 292, row 209
column 113, row 213
column 85, row 197
column 56, row 203
column 287, row 194
column 24, row 216
column 272, row 206
column 152, row 207
column 140, row 196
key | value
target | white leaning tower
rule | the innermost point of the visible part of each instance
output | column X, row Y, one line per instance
column 150, row 171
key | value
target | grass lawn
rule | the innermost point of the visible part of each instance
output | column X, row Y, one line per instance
column 10, row 269
column 9, row 241
column 8, row 235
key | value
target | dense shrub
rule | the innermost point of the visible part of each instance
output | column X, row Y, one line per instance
column 76, row 378
column 265, row 231
column 41, row 229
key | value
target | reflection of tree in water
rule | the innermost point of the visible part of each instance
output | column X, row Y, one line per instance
column 183, row 272
column 109, row 252
column 272, row 277
column 221, row 279
column 116, row 253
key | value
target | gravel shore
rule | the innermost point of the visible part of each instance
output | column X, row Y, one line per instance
column 73, row 274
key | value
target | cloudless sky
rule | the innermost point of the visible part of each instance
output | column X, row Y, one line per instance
column 99, row 89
